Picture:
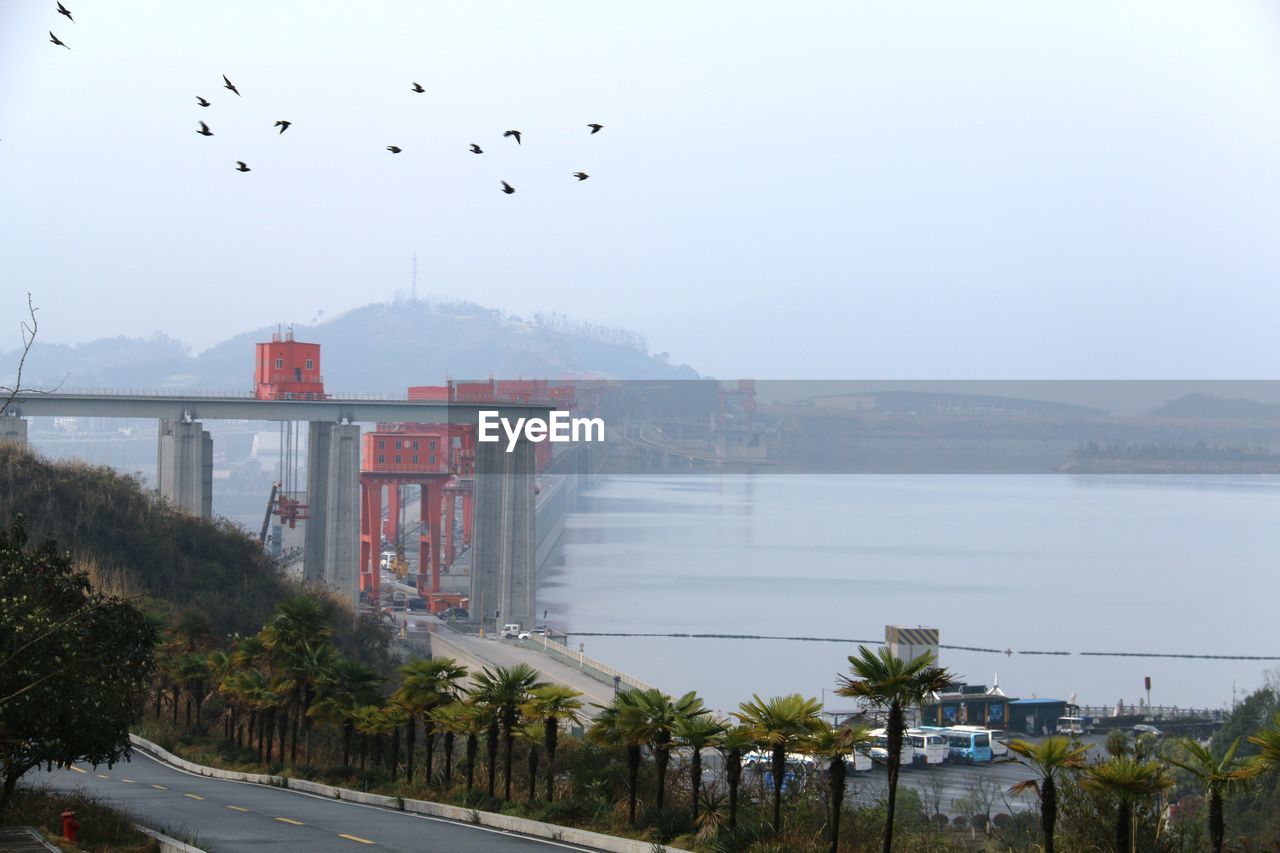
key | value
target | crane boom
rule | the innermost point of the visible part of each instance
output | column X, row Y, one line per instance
column 266, row 519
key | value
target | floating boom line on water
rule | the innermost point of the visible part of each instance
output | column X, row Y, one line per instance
column 980, row 649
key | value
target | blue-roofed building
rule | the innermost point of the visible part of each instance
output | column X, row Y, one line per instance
column 1036, row 716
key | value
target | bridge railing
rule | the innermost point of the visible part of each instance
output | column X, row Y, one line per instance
column 600, row 670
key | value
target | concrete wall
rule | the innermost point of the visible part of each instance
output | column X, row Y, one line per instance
column 184, row 466
column 503, row 568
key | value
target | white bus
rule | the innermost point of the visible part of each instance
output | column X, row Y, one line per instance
column 880, row 748
column 927, row 748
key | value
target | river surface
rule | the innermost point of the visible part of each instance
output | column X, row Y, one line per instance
column 1182, row 565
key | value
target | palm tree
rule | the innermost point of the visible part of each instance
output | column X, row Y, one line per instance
column 456, row 718
column 698, row 732
column 505, row 689
column 532, row 734
column 836, row 744
column 348, row 686
column 193, row 674
column 552, row 704
column 782, row 724
column 1268, row 741
column 1128, row 780
column 618, row 725
column 427, row 684
column 1219, row 777
column 1047, row 757
column 887, row 681
column 658, row 715
column 221, row 669
column 733, row 745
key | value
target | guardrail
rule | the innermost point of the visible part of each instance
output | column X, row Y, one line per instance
column 602, row 671
column 507, row 823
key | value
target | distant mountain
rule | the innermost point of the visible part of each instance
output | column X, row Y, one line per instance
column 1206, row 407
column 376, row 349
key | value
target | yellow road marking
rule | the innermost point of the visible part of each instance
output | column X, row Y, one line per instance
column 237, row 808
column 77, row 769
column 290, row 820
column 129, row 781
column 194, row 796
column 160, row 787
column 103, row 776
column 355, row 838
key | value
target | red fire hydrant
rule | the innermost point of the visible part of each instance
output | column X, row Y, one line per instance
column 69, row 825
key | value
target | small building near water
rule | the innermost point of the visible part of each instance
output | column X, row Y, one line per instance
column 991, row 707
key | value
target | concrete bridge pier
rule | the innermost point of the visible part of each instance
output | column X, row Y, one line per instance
column 13, row 429
column 503, row 568
column 331, row 557
column 184, row 466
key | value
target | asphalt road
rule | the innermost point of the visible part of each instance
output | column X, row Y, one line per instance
column 220, row 815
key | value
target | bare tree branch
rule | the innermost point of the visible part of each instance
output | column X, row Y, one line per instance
column 29, row 329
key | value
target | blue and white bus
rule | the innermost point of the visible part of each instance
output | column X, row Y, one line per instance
column 965, row 746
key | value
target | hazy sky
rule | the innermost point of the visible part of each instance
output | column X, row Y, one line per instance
column 844, row 189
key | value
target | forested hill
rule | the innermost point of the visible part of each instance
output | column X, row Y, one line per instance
column 133, row 545
column 376, row 349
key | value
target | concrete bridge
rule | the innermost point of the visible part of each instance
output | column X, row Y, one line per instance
column 504, row 539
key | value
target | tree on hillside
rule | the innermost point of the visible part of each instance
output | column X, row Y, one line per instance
column 887, row 681
column 1127, row 781
column 1218, row 776
column 74, row 663
column 29, row 329
column 782, row 724
column 1047, row 758
column 553, row 704
column 835, row 744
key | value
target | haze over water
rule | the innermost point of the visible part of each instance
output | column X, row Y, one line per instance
column 1043, row 563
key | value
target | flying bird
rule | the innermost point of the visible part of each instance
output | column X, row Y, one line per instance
column 63, row 10
column 283, row 125
column 582, row 176
column 201, row 101
column 476, row 149
column 230, row 85
column 595, row 128
column 507, row 188
column 204, row 130
column 417, row 87
column 394, row 149
column 57, row 40
column 241, row 167
column 514, row 133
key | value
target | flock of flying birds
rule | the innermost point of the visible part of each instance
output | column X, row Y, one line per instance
column 284, row 124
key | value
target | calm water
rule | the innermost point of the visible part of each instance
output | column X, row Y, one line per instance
column 1051, row 563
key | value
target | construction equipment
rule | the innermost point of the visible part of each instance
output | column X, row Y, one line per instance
column 266, row 519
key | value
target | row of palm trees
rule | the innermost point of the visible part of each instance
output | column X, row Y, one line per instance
column 277, row 685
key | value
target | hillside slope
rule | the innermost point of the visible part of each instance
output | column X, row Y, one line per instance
column 377, row 349
column 112, row 527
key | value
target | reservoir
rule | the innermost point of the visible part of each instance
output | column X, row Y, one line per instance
column 1024, row 563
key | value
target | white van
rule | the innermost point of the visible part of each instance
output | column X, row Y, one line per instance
column 1074, row 725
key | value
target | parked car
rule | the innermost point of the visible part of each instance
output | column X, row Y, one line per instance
column 510, row 631
column 398, row 599
column 535, row 633
column 455, row 613
column 417, row 603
